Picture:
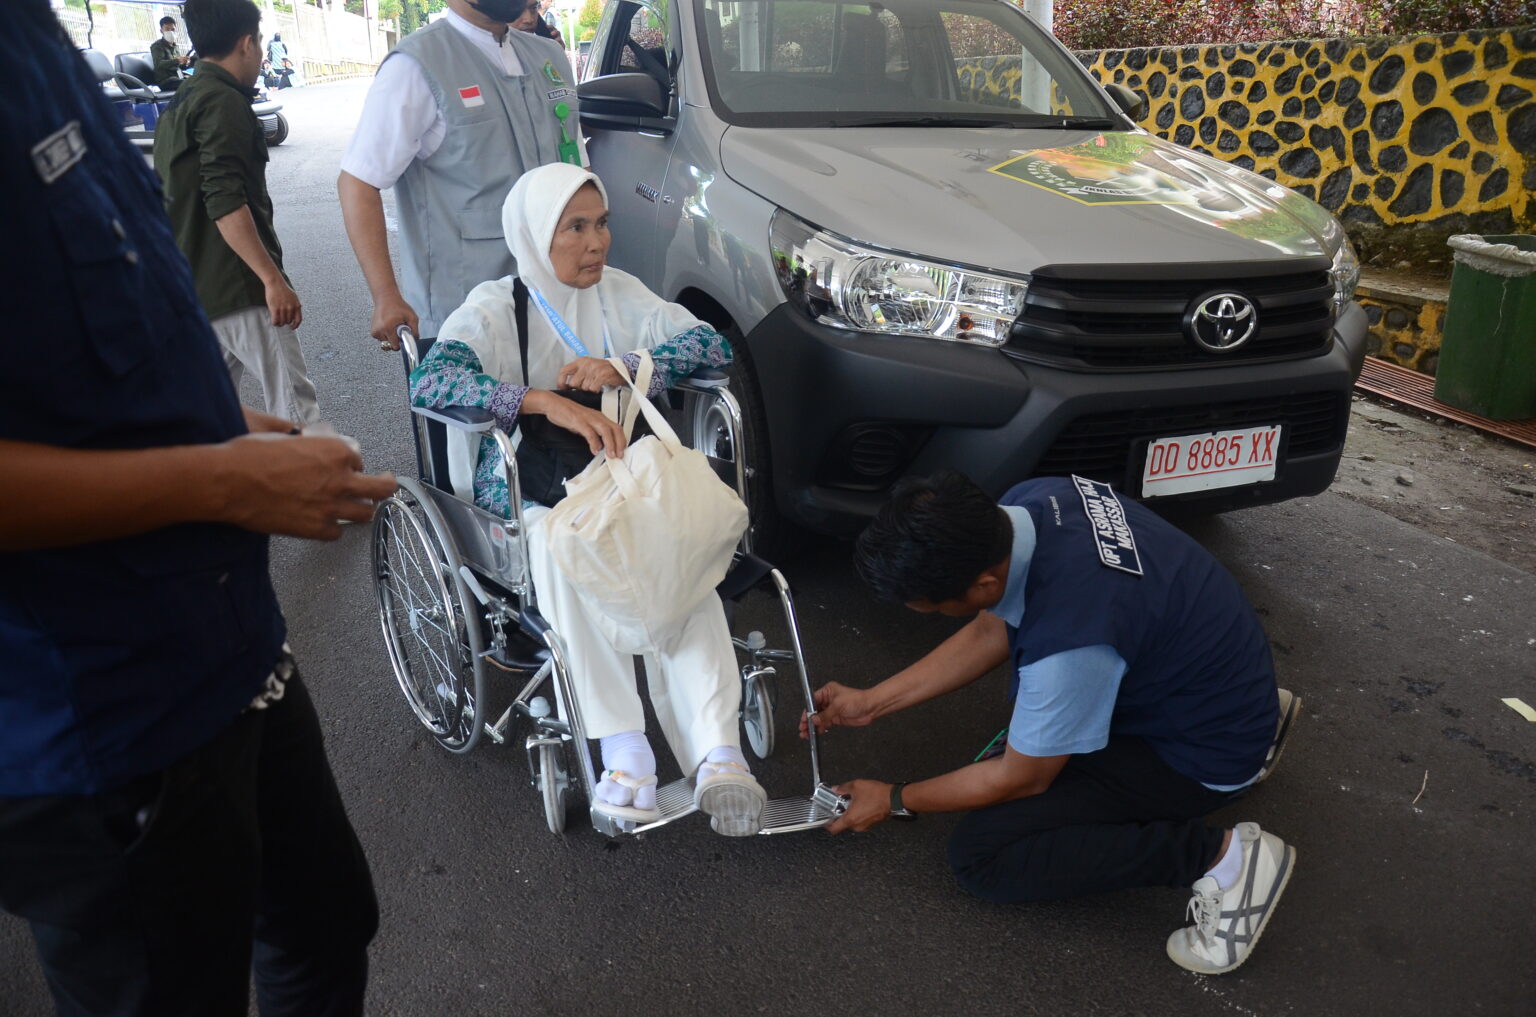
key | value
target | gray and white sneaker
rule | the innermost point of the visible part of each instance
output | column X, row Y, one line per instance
column 731, row 797
column 1290, row 712
column 1228, row 922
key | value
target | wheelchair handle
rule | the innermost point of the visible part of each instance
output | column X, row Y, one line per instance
column 407, row 340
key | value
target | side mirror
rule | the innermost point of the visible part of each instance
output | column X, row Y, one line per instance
column 1134, row 104
column 622, row 97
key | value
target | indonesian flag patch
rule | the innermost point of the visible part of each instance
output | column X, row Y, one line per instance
column 471, row 97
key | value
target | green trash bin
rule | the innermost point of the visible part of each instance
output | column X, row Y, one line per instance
column 1488, row 352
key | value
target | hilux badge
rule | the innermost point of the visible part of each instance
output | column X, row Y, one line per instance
column 1222, row 322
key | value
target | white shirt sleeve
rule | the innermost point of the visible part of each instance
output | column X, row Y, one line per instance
column 400, row 122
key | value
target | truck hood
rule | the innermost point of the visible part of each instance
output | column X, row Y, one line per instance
column 1016, row 200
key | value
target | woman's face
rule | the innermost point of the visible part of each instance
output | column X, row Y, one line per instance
column 580, row 248
column 528, row 20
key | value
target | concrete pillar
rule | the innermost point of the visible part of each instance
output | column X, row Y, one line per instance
column 1042, row 11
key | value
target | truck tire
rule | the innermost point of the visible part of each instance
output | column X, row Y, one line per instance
column 774, row 537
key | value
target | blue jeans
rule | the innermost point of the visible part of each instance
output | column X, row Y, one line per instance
column 1113, row 819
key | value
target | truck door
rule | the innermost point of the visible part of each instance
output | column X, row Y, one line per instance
column 635, row 37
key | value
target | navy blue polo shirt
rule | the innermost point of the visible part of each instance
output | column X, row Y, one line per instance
column 1121, row 624
column 116, row 657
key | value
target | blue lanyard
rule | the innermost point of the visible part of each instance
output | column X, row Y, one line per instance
column 569, row 337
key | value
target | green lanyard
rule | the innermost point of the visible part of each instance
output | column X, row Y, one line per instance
column 995, row 739
column 569, row 151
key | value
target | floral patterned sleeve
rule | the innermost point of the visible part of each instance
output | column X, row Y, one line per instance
column 449, row 375
column 683, row 354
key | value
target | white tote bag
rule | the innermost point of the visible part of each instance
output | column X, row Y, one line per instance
column 644, row 539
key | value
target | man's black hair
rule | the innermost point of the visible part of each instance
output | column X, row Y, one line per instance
column 216, row 26
column 167, row 20
column 932, row 539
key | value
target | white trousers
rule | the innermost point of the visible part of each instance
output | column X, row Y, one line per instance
column 252, row 343
column 695, row 689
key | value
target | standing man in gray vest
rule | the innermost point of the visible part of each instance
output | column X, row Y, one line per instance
column 457, row 112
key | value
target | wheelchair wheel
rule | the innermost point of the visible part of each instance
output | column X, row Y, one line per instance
column 757, row 715
column 554, row 785
column 429, row 618
column 712, row 431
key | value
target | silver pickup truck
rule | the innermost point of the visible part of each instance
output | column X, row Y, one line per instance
column 935, row 241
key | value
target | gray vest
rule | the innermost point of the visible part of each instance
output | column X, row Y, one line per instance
column 449, row 204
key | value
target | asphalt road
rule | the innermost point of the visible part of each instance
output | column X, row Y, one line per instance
column 1409, row 788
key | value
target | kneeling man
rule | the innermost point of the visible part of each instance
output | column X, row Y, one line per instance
column 1143, row 698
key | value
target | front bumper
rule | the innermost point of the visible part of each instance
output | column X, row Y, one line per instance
column 848, row 414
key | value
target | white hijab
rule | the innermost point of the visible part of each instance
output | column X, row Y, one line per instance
column 619, row 307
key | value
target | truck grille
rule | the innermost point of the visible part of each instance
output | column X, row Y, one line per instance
column 1131, row 317
column 1108, row 446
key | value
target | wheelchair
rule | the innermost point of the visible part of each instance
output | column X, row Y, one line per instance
column 459, row 615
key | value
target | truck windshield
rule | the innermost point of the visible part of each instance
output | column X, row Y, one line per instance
column 909, row 63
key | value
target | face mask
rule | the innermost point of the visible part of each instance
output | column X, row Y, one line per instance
column 500, row 10
column 169, row 37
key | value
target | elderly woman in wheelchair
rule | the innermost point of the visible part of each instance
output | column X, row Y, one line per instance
column 515, row 351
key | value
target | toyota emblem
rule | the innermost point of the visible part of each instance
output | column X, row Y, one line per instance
column 1222, row 322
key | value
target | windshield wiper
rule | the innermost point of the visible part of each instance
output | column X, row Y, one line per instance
column 1025, row 121
column 1045, row 121
column 903, row 120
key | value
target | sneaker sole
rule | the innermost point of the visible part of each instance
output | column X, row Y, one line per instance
column 734, row 811
column 1286, row 723
column 1287, row 866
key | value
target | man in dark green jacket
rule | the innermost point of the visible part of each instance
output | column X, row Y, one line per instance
column 166, row 56
column 212, row 160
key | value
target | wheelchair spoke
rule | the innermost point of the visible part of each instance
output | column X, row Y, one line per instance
column 420, row 613
column 403, row 548
column 429, row 624
column 402, row 593
column 447, row 668
column 418, row 616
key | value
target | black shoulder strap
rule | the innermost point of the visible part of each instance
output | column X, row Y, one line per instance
column 520, row 312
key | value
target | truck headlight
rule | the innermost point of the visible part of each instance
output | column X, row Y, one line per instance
column 846, row 285
column 1345, row 272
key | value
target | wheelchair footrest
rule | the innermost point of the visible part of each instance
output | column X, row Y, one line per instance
column 780, row 815
column 673, row 801
column 791, row 815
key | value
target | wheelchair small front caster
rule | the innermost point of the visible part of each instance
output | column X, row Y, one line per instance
column 757, row 712
column 553, row 779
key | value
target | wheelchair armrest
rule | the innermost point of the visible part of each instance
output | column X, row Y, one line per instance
column 705, row 379
column 473, row 419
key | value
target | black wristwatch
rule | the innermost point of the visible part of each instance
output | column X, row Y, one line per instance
column 898, row 810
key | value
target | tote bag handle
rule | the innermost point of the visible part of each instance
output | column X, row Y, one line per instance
column 639, row 404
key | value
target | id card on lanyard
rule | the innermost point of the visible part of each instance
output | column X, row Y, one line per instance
column 567, row 335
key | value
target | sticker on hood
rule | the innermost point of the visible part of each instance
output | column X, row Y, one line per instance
column 1120, row 169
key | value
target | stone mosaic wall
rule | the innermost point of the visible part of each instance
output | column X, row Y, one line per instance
column 1405, row 322
column 1437, row 133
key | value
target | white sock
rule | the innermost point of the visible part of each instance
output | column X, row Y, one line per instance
column 727, row 754
column 1230, row 866
column 630, row 752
